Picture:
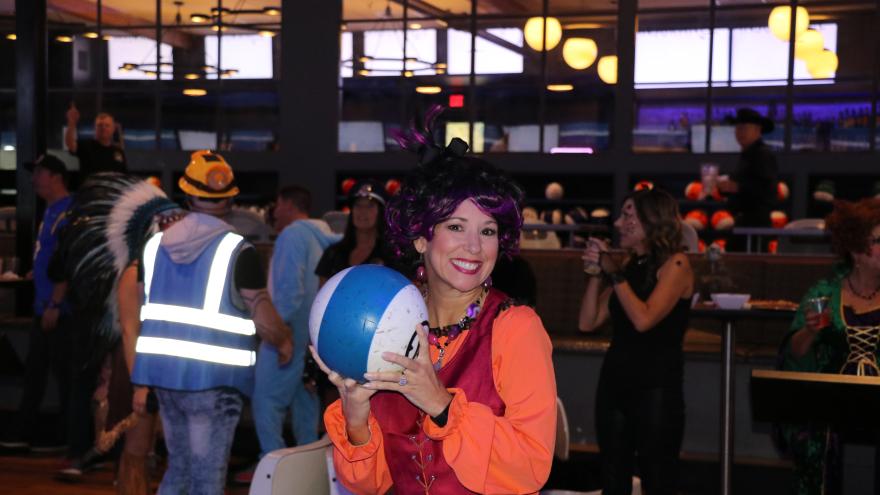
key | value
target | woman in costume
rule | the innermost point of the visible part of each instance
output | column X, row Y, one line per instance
column 364, row 237
column 112, row 217
column 476, row 413
column 842, row 341
column 647, row 296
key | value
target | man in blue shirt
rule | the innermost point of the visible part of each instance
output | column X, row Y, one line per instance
column 292, row 286
column 48, row 341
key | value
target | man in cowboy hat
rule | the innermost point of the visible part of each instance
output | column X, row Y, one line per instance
column 753, row 186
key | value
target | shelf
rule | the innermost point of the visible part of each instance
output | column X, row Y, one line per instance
column 569, row 202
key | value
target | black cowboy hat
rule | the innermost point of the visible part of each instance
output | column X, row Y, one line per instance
column 751, row 116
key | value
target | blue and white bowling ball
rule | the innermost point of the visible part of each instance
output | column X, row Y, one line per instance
column 362, row 312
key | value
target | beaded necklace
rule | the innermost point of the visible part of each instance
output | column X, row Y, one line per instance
column 451, row 332
column 859, row 294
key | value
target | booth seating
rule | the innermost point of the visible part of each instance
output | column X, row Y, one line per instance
column 578, row 357
column 561, row 282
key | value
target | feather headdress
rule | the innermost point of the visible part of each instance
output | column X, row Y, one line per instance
column 111, row 218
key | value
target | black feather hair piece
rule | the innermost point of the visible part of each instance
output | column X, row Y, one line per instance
column 110, row 220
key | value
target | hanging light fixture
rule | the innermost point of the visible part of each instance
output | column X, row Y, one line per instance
column 780, row 22
column 607, row 68
column 90, row 35
column 534, row 33
column 63, row 38
column 579, row 53
column 559, row 88
column 195, row 92
column 809, row 42
column 822, row 65
column 428, row 90
column 11, row 37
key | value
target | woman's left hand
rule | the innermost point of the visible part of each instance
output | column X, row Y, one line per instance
column 139, row 400
column 418, row 381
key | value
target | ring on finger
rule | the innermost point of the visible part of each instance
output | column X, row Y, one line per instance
column 402, row 382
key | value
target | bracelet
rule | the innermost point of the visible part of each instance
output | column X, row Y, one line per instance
column 441, row 419
column 616, row 278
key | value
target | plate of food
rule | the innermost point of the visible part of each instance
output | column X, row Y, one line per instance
column 774, row 304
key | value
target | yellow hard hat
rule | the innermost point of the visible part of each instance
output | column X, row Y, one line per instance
column 208, row 176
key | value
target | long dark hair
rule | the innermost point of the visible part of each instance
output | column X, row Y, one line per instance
column 349, row 239
column 658, row 213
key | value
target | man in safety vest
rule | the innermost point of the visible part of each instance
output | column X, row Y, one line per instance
column 199, row 299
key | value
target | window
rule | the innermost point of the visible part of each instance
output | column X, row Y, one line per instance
column 125, row 54
column 492, row 57
column 680, row 58
column 247, row 56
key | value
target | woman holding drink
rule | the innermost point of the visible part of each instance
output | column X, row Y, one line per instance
column 646, row 295
column 836, row 330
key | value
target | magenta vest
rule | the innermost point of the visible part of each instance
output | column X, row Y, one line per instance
column 416, row 462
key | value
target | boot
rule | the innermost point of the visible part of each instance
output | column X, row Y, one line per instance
column 133, row 476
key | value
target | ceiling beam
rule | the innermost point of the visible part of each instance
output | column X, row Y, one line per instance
column 429, row 10
column 117, row 19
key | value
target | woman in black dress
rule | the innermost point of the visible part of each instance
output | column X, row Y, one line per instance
column 647, row 295
column 364, row 238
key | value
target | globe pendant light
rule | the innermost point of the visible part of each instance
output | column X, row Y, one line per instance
column 534, row 33
column 780, row 22
column 607, row 68
column 822, row 65
column 808, row 43
column 579, row 53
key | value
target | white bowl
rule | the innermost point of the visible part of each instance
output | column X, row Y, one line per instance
column 730, row 301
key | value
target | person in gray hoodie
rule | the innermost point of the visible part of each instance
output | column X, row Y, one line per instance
column 292, row 286
column 194, row 303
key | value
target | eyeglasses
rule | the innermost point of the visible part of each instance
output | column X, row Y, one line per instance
column 875, row 241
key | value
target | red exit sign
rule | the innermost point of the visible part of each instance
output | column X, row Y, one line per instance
column 456, row 101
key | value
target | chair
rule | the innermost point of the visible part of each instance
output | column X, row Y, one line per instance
column 538, row 239
column 804, row 244
column 299, row 470
column 561, row 452
column 807, row 223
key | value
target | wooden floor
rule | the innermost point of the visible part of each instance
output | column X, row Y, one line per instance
column 35, row 475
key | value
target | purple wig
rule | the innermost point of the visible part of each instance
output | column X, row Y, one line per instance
column 440, row 183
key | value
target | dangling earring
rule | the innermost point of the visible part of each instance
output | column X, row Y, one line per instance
column 421, row 275
column 487, row 283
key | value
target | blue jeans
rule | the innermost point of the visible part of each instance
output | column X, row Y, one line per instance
column 278, row 389
column 199, row 427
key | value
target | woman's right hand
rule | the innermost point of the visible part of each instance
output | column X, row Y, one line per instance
column 814, row 322
column 355, row 402
column 594, row 249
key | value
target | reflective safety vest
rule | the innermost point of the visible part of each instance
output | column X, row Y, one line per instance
column 192, row 336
